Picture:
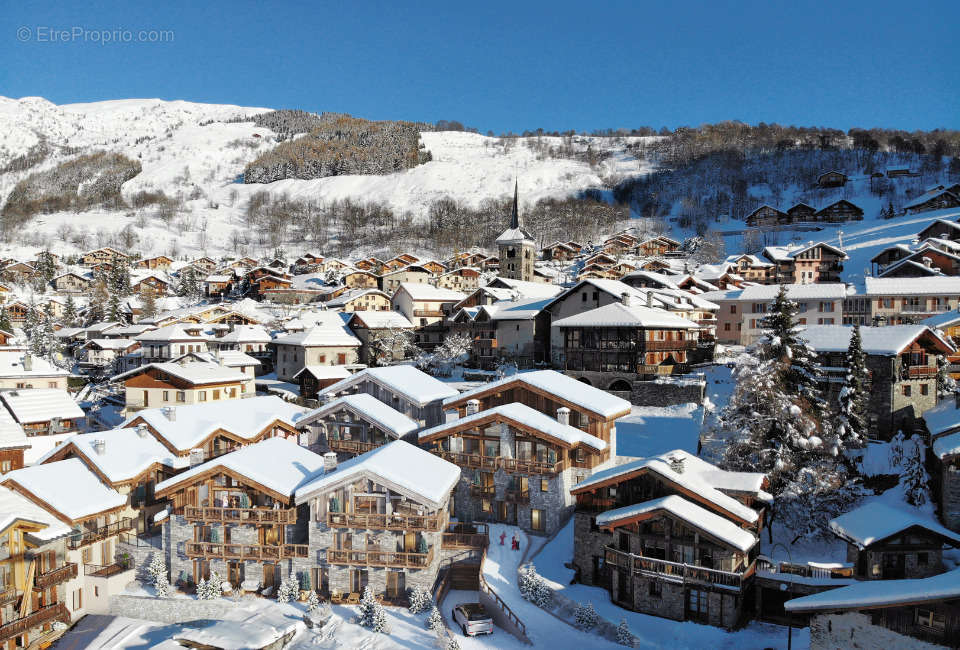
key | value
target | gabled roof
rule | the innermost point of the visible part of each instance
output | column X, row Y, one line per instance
column 698, row 479
column 723, row 529
column 423, row 291
column 616, row 314
column 523, row 416
column 324, row 372
column 402, row 467
column 41, row 404
column 380, row 319
column 192, row 372
column 175, row 332
column 886, row 341
column 328, row 334
column 523, row 309
column 923, row 198
column 417, row 386
column 871, row 594
column 15, row 507
column 826, row 291
column 244, row 334
column 877, row 521
column 110, row 344
column 68, row 487
column 11, row 433
column 909, row 263
column 556, row 385
column 946, row 285
column 368, row 408
column 280, row 465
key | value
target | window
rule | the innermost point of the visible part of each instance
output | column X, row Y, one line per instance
column 924, row 389
column 486, row 505
column 537, row 521
column 931, row 619
column 733, row 309
column 656, row 589
column 86, row 555
column 51, row 384
column 166, row 396
column 5, row 466
column 906, row 390
column 803, row 321
column 544, row 485
column 923, row 559
column 181, row 396
column 726, row 327
column 202, row 396
column 77, row 599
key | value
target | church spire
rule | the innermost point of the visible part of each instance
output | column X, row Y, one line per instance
column 515, row 217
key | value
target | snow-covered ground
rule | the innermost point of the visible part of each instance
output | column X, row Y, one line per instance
column 653, row 430
column 652, row 631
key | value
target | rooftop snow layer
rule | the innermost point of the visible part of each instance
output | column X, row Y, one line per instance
column 330, row 332
column 194, row 372
column 559, row 385
column 11, row 365
column 877, row 520
column 41, row 404
column 15, row 506
column 369, row 407
column 881, row 593
column 525, row 415
column 876, row 340
column 382, row 319
column 826, row 291
column 400, row 466
column 276, row 463
column 405, row 380
column 422, row 291
column 125, row 453
column 938, row 286
column 11, row 433
column 617, row 314
column 68, row 487
column 696, row 516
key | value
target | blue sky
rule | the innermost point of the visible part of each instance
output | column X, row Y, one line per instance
column 510, row 65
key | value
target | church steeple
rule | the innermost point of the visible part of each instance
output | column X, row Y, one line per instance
column 515, row 217
column 515, row 245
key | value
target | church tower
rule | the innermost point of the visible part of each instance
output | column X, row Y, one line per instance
column 516, row 247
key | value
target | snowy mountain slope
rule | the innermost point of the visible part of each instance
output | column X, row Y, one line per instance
column 203, row 164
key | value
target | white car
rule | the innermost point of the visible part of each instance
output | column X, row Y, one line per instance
column 473, row 619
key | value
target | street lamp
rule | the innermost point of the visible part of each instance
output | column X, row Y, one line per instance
column 788, row 587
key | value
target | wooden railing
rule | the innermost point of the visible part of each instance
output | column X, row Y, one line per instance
column 921, row 371
column 34, row 619
column 521, row 466
column 483, row 491
column 431, row 523
column 61, row 574
column 352, row 446
column 686, row 344
column 105, row 570
column 463, row 535
column 246, row 551
column 241, row 515
column 428, row 312
column 688, row 572
column 832, row 572
column 82, row 538
column 7, row 595
column 378, row 558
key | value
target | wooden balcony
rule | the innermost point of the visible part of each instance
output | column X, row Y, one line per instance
column 914, row 372
column 645, row 369
column 255, row 552
column 47, row 614
column 425, row 523
column 669, row 345
column 378, row 558
column 352, row 446
column 240, row 515
column 641, row 565
column 428, row 313
column 61, row 574
column 517, row 465
column 483, row 491
column 83, row 538
column 8, row 595
column 105, row 570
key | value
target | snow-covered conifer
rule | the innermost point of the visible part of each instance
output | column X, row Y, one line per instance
column 435, row 620
column 624, row 635
column 289, row 589
column 852, row 429
column 915, row 479
column 533, row 587
column 371, row 612
column 420, row 600
column 586, row 616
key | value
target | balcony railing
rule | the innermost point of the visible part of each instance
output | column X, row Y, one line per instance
column 920, row 371
column 7, row 595
column 686, row 572
column 46, row 614
column 241, row 515
column 428, row 312
column 105, row 570
column 352, row 446
column 246, row 551
column 431, row 523
column 83, row 538
column 669, row 345
column 488, row 491
column 518, row 465
column 646, row 369
column 379, row 558
column 61, row 574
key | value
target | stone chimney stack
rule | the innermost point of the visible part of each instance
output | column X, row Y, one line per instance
column 100, row 446
column 142, row 430
column 626, row 298
column 28, row 362
column 676, row 464
column 170, row 413
column 649, row 299
column 473, row 406
column 563, row 414
column 329, row 462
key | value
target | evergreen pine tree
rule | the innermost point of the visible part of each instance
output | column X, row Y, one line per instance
column 5, row 323
column 797, row 368
column 114, row 308
column 313, row 601
column 915, row 478
column 586, row 616
column 70, row 315
column 435, row 620
column 98, row 301
column 624, row 635
column 853, row 397
column 148, row 304
column 890, row 211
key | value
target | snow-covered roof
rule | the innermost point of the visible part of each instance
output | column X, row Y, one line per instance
column 558, row 385
column 947, row 445
column 244, row 334
column 278, row 464
column 826, row 291
column 193, row 423
column 526, row 416
column 935, row 286
column 14, row 506
column 353, row 294
column 12, row 360
column 525, row 288
column 925, row 270
column 382, row 319
column 698, row 477
column 193, row 371
column 523, row 309
column 331, row 332
column 325, row 372
column 423, row 291
column 398, row 465
column 416, row 385
column 878, row 520
column 923, row 198
column 881, row 593
column 124, row 454
column 369, row 408
column 41, row 404
column 110, row 344
column 698, row 517
column 230, row 358
column 617, row 314
column 175, row 332
column 11, row 433
column 514, row 235
column 68, row 487
column 875, row 340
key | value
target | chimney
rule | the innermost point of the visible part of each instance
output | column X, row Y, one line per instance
column 100, row 446
column 142, row 430
column 563, row 415
column 649, row 299
column 927, row 262
column 473, row 406
column 626, row 298
column 196, row 457
column 329, row 462
column 676, row 464
column 451, row 416
column 170, row 413
column 27, row 362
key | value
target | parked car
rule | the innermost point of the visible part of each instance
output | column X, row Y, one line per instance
column 473, row 619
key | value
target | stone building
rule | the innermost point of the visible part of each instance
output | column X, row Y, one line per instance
column 671, row 536
column 355, row 424
column 886, row 542
column 236, row 515
column 377, row 520
column 327, row 343
column 517, row 464
column 516, row 247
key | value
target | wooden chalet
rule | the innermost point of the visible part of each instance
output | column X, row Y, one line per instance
column 841, row 210
column 766, row 215
column 832, row 179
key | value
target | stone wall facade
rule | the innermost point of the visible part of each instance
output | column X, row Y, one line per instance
column 912, row 566
column 588, row 549
column 170, row 610
column 667, row 393
column 950, row 495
